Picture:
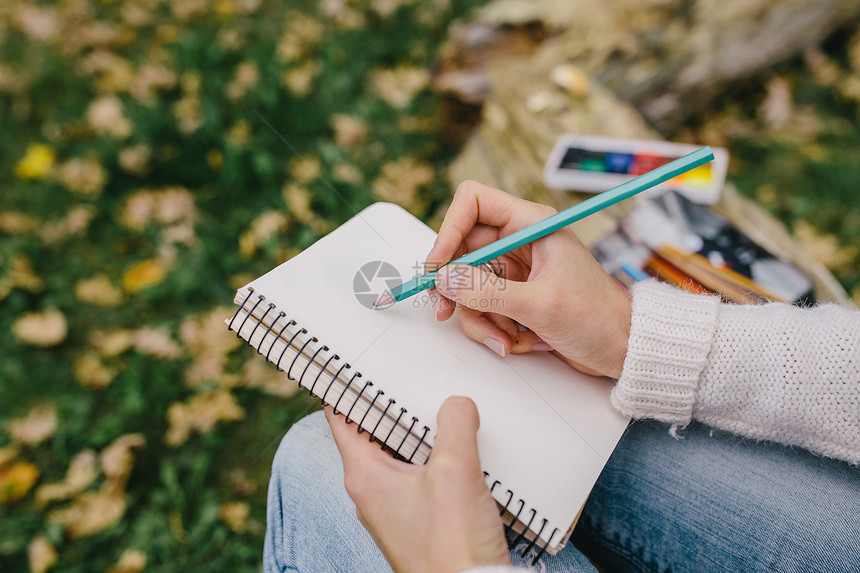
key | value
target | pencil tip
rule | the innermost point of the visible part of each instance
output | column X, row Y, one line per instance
column 384, row 301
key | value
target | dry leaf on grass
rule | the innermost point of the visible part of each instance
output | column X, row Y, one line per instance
column 262, row 229
column 76, row 221
column 117, row 460
column 305, row 169
column 19, row 274
column 91, row 372
column 16, row 479
column 200, row 414
column 22, row 274
column 131, row 561
column 44, row 329
column 298, row 202
column 15, row 222
column 262, row 375
column 300, row 35
column 105, row 116
column 41, row 554
column 235, row 515
column 399, row 86
column 135, row 159
column 299, row 80
column 99, row 290
column 38, row 425
column 349, row 130
column 83, row 470
column 144, row 274
column 208, row 343
column 83, row 176
column 90, row 513
column 112, row 342
column 246, row 77
column 400, row 182
column 156, row 342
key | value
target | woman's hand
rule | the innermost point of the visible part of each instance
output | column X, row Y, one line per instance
column 552, row 286
column 438, row 517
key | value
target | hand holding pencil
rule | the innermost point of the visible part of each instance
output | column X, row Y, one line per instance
column 551, row 286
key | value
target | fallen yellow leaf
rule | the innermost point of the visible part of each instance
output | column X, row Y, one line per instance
column 39, row 424
column 142, row 275
column 91, row 372
column 90, row 513
column 36, row 163
column 131, row 561
column 16, row 480
column 235, row 515
column 117, row 459
column 43, row 329
column 99, row 290
column 41, row 554
column 200, row 413
column 83, row 470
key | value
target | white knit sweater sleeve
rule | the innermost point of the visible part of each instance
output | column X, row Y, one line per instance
column 774, row 371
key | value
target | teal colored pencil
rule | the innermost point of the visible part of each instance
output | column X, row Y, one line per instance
column 559, row 220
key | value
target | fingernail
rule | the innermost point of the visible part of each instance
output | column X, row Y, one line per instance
column 496, row 346
column 437, row 305
column 542, row 346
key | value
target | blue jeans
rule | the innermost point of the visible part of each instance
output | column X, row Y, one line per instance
column 706, row 501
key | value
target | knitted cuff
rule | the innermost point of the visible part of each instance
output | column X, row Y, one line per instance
column 671, row 333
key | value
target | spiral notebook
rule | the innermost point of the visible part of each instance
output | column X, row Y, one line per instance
column 546, row 430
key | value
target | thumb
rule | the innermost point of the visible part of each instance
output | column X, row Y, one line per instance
column 481, row 290
column 456, row 440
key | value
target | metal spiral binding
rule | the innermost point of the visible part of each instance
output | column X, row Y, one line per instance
column 379, row 421
column 366, row 412
column 345, row 388
column 545, row 545
column 265, row 334
column 314, row 385
column 509, row 526
column 391, row 431
column 526, row 528
column 420, row 441
column 311, row 350
column 331, row 383
column 352, row 384
column 408, row 432
column 365, row 387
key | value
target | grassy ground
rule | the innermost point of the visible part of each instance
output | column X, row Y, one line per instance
column 157, row 155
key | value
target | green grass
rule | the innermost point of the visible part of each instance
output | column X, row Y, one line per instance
column 234, row 166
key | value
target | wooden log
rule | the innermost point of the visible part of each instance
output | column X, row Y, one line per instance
column 669, row 58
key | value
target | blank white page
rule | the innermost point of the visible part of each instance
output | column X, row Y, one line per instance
column 546, row 430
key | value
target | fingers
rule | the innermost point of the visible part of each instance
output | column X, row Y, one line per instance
column 499, row 333
column 475, row 203
column 443, row 307
column 479, row 289
column 456, row 441
column 480, row 328
column 353, row 446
